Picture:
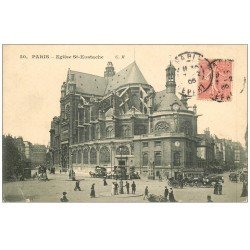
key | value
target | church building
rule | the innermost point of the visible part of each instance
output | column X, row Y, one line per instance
column 120, row 120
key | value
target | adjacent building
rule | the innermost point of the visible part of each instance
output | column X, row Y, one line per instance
column 38, row 156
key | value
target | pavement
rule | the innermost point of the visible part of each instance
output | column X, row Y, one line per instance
column 51, row 191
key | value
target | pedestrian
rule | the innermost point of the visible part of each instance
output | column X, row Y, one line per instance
column 113, row 189
column 133, row 186
column 209, row 198
column 64, row 198
column 92, row 191
column 220, row 188
column 60, row 171
column 116, row 188
column 181, row 183
column 105, row 182
column 244, row 189
column 77, row 187
column 171, row 195
column 216, row 188
column 166, row 192
column 73, row 175
column 145, row 193
column 127, row 187
column 121, row 187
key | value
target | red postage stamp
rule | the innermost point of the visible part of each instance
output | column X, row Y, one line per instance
column 215, row 80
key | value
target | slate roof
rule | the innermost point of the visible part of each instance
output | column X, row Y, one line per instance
column 164, row 100
column 89, row 84
column 98, row 85
column 130, row 74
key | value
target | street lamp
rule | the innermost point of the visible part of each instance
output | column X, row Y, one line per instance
column 120, row 149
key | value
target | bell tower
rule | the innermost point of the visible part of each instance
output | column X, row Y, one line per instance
column 170, row 79
column 109, row 70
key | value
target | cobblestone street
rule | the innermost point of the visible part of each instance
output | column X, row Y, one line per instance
column 51, row 191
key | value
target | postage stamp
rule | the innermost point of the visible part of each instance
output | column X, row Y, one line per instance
column 215, row 81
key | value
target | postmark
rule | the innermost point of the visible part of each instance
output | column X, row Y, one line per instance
column 190, row 71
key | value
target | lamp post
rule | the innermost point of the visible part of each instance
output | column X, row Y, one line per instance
column 120, row 149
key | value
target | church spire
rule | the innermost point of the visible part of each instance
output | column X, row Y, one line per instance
column 170, row 79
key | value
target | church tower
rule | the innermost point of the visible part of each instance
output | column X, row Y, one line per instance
column 170, row 79
column 109, row 70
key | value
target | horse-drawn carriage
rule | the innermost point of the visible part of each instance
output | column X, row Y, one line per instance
column 100, row 172
column 233, row 177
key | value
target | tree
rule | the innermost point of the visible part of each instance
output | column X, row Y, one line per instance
column 12, row 164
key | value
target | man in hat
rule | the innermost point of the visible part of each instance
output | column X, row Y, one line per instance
column 133, row 187
column 64, row 198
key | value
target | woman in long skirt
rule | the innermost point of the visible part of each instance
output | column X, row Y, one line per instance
column 92, row 191
column 171, row 195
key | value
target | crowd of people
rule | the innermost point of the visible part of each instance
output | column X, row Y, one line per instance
column 119, row 187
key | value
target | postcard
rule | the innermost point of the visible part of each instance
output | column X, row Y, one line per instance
column 125, row 123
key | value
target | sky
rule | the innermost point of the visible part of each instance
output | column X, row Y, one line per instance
column 33, row 75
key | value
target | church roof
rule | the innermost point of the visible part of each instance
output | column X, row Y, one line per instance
column 164, row 101
column 89, row 84
column 98, row 85
column 130, row 74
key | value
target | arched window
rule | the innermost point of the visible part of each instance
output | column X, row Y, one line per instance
column 122, row 150
column 85, row 156
column 162, row 126
column 67, row 112
column 109, row 132
column 125, row 131
column 74, row 157
column 104, row 155
column 79, row 157
column 177, row 159
column 93, row 156
column 186, row 127
column 145, row 159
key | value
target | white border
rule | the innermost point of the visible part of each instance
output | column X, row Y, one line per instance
column 124, row 226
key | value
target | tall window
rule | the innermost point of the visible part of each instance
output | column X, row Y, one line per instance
column 104, row 155
column 109, row 132
column 125, row 131
column 157, row 159
column 93, row 156
column 97, row 132
column 177, row 159
column 79, row 157
column 145, row 159
column 186, row 127
column 85, row 156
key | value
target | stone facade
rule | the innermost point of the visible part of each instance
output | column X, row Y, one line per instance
column 119, row 119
